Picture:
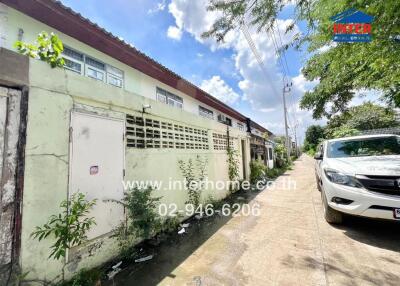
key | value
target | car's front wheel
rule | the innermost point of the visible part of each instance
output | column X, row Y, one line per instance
column 331, row 215
column 318, row 183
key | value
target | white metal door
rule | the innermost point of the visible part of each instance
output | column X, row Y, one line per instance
column 97, row 164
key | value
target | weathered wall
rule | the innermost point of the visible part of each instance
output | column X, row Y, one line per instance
column 10, row 100
column 53, row 95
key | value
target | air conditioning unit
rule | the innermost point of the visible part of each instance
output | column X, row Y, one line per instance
column 221, row 118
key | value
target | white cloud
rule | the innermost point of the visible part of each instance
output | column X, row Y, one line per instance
column 174, row 33
column 267, row 110
column 264, row 93
column 192, row 17
column 218, row 88
column 159, row 7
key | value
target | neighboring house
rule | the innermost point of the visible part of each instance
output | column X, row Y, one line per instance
column 88, row 127
column 259, row 147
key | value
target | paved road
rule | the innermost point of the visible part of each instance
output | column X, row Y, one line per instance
column 291, row 244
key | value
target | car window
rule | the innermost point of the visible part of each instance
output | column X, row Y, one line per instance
column 376, row 146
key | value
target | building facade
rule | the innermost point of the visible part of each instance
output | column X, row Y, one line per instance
column 112, row 115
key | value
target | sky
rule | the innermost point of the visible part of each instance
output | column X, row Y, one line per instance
column 170, row 31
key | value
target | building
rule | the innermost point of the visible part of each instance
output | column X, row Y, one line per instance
column 260, row 147
column 112, row 115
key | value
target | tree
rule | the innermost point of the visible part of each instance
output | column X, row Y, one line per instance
column 314, row 135
column 342, row 68
column 362, row 117
column 344, row 131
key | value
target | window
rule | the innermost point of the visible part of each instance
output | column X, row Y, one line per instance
column 240, row 126
column 70, row 53
column 270, row 154
column 161, row 95
column 82, row 64
column 95, row 69
column 373, row 146
column 114, row 76
column 72, row 65
column 73, row 60
column 169, row 98
column 228, row 121
column 225, row 120
column 206, row 112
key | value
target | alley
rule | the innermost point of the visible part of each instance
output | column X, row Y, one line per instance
column 290, row 244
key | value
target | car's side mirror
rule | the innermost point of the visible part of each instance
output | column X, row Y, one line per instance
column 318, row 156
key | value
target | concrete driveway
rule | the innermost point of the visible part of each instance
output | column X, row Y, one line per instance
column 290, row 243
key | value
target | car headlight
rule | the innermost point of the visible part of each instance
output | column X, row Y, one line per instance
column 341, row 179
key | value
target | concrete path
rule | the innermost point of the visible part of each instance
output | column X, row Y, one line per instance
column 290, row 243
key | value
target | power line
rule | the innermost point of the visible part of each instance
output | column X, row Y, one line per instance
column 287, row 86
column 253, row 48
column 281, row 42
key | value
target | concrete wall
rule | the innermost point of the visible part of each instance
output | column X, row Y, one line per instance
column 53, row 94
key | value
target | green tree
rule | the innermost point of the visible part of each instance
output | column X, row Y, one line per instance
column 344, row 131
column 362, row 117
column 341, row 69
column 314, row 135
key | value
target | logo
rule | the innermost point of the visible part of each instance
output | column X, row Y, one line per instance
column 352, row 26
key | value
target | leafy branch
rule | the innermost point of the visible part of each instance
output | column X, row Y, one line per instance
column 47, row 48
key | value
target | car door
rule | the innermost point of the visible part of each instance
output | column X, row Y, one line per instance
column 318, row 163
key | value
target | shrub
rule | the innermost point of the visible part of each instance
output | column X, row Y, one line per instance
column 195, row 174
column 257, row 170
column 68, row 227
column 84, row 278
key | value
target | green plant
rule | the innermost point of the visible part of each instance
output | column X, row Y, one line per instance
column 233, row 167
column 84, row 278
column 281, row 155
column 142, row 218
column 47, row 48
column 216, row 204
column 194, row 174
column 257, row 170
column 171, row 223
column 68, row 227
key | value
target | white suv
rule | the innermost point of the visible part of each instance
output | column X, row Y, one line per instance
column 359, row 176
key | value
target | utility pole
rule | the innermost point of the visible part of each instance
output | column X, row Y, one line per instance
column 286, row 89
column 295, row 138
